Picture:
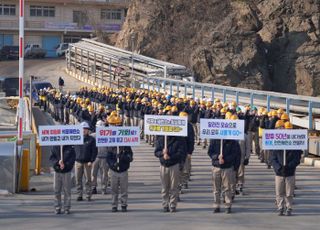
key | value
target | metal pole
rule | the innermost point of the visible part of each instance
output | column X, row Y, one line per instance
column 95, row 68
column 81, row 63
column 221, row 147
column 185, row 90
column 61, row 153
column 268, row 102
column 102, row 70
column 158, row 85
column 88, row 65
column 212, row 94
column 170, row 87
column 30, row 101
column 194, row 91
column 202, row 92
column 288, row 105
column 178, row 86
column 310, row 115
column 75, row 60
column 132, row 72
column 165, row 72
column 237, row 98
column 251, row 99
column 224, row 95
column 110, row 72
column 284, row 157
column 21, row 73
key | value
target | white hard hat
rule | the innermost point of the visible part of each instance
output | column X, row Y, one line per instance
column 85, row 125
column 100, row 123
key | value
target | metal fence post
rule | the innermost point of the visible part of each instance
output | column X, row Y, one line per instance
column 153, row 84
column 251, row 99
column 75, row 60
column 194, row 91
column 212, row 94
column 81, row 64
column 237, row 98
column 202, row 92
column 268, row 103
column 88, row 66
column 95, row 67
column 110, row 73
column 224, row 95
column 148, row 84
column 143, row 83
column 170, row 87
column 102, row 70
column 310, row 116
column 288, row 105
column 158, row 85
column 178, row 86
column 185, row 90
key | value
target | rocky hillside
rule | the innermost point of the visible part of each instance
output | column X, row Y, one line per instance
column 259, row 44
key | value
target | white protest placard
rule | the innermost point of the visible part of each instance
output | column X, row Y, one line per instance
column 117, row 136
column 222, row 129
column 165, row 125
column 285, row 139
column 60, row 135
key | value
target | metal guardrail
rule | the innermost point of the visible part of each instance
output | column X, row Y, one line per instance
column 304, row 108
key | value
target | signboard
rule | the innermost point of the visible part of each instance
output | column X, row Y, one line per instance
column 222, row 129
column 61, row 25
column 165, row 125
column 117, row 136
column 60, row 135
column 285, row 139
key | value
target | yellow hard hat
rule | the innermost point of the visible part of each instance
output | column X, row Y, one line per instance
column 280, row 124
column 209, row 104
column 234, row 104
column 234, row 117
column 225, row 104
column 183, row 114
column 288, row 125
column 274, row 113
column 216, row 100
column 228, row 115
column 223, row 110
column 113, row 113
column 270, row 114
column 192, row 102
column 280, row 111
column 114, row 120
column 167, row 108
column 101, row 107
column 265, row 113
column 90, row 108
column 87, row 100
column 174, row 109
column 285, row 117
column 138, row 100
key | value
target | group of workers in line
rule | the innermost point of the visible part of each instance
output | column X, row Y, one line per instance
column 126, row 106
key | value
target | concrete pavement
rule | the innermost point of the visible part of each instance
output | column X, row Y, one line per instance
column 255, row 210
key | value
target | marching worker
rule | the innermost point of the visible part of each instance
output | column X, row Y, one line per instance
column 85, row 156
column 284, row 163
column 100, row 166
column 170, row 159
column 190, row 139
column 62, row 176
column 225, row 165
column 119, row 159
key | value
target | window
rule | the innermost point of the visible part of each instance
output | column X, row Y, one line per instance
column 80, row 18
column 42, row 11
column 7, row 9
column 111, row 14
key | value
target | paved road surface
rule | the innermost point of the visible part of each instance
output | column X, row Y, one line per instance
column 255, row 210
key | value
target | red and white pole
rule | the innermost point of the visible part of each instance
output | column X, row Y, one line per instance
column 21, row 71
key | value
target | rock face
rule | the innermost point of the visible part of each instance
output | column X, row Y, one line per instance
column 258, row 44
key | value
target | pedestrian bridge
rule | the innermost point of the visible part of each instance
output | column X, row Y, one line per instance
column 254, row 210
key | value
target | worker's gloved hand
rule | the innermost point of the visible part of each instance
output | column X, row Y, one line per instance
column 246, row 161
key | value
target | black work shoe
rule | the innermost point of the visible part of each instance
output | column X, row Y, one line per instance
column 289, row 213
column 237, row 192
column 166, row 209
column 57, row 211
column 204, row 147
column 114, row 209
column 178, row 199
column 89, row 199
column 94, row 191
column 228, row 210
column 67, row 211
column 79, row 198
column 198, row 143
column 185, row 186
column 173, row 209
column 123, row 208
column 269, row 167
column 216, row 210
column 280, row 213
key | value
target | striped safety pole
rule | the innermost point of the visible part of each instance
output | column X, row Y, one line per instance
column 21, row 71
column 21, row 106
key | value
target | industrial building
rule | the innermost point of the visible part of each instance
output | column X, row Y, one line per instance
column 49, row 23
